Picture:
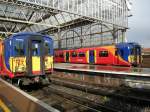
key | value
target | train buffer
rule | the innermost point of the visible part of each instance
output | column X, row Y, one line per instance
column 12, row 99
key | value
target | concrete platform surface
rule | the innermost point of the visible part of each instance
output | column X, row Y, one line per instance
column 16, row 100
column 130, row 71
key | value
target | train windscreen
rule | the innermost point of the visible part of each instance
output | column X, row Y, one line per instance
column 19, row 47
column 47, row 46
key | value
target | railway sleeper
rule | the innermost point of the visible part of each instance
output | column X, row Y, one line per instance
column 97, row 91
column 82, row 101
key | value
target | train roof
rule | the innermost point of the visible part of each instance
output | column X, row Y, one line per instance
column 27, row 33
column 119, row 45
column 127, row 44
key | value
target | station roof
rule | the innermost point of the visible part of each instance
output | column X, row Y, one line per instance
column 50, row 16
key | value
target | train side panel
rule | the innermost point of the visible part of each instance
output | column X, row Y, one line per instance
column 4, row 69
column 1, row 56
column 59, row 56
column 81, row 56
column 105, row 55
column 122, row 54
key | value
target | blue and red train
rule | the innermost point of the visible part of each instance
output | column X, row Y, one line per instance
column 26, row 57
column 121, row 54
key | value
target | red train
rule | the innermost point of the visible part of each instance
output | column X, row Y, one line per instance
column 122, row 54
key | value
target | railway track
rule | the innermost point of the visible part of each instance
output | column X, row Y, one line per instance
column 123, row 93
column 58, row 98
column 69, row 95
column 72, row 98
column 67, row 99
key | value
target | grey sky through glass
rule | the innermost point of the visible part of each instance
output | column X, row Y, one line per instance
column 139, row 23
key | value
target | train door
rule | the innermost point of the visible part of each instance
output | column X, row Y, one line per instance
column 0, row 63
column 117, row 55
column 67, row 56
column 136, row 52
column 91, row 56
column 139, row 60
column 35, row 58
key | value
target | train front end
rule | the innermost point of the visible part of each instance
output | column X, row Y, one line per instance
column 130, row 53
column 135, row 57
column 29, row 57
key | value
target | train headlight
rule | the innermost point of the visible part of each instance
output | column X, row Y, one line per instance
column 23, row 68
column 20, row 69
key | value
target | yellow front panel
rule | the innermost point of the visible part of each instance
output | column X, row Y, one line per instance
column 131, row 58
column 48, row 62
column 36, row 63
column 87, row 56
column 95, row 56
column 17, row 64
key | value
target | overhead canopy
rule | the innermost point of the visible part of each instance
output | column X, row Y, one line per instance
column 51, row 15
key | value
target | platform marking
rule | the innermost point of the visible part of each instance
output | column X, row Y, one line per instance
column 4, row 107
column 102, row 71
column 35, row 100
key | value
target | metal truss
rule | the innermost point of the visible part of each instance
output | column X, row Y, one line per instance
column 22, row 17
column 108, row 11
column 60, row 17
column 93, row 34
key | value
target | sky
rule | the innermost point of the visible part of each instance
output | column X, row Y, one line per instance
column 139, row 23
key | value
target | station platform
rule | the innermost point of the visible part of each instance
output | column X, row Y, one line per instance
column 12, row 99
column 104, row 70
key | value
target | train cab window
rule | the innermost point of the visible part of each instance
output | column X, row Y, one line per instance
column 81, row 54
column 132, row 51
column 122, row 53
column 74, row 54
column 47, row 48
column 138, row 50
column 116, row 53
column 19, row 48
column 35, row 49
column 103, row 54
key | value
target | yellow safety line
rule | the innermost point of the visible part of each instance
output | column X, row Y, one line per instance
column 4, row 107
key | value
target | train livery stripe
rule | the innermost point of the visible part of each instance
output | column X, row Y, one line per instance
column 111, row 50
column 95, row 56
column 5, row 69
column 4, row 107
column 87, row 56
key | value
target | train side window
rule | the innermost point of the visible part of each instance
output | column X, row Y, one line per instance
column 19, row 48
column 74, row 54
column 55, row 55
column 81, row 54
column 103, row 54
column 116, row 53
column 61, row 55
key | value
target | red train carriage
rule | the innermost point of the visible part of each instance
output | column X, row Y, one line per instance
column 123, row 54
column 59, row 56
